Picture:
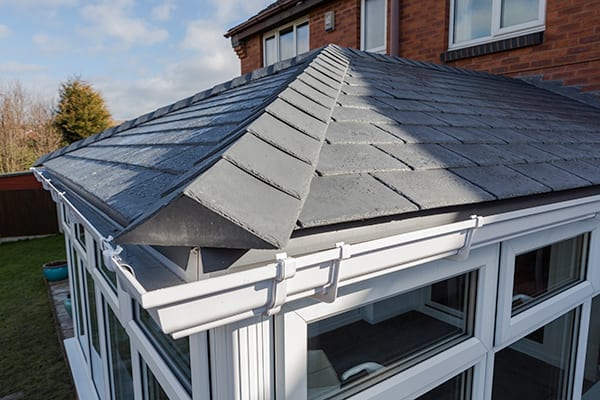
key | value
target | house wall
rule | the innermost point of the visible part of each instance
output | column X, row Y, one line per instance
column 346, row 32
column 570, row 51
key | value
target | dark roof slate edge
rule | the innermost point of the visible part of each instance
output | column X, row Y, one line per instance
column 215, row 90
column 558, row 87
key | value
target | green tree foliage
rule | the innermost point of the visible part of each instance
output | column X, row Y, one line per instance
column 81, row 111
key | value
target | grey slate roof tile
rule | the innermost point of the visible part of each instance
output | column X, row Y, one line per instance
column 550, row 175
column 434, row 188
column 248, row 208
column 306, row 104
column 344, row 159
column 501, row 181
column 286, row 137
column 334, row 199
column 425, row 156
column 485, row 154
column 298, row 118
column 418, row 133
column 470, row 134
column 358, row 133
column 337, row 135
column 257, row 157
column 588, row 169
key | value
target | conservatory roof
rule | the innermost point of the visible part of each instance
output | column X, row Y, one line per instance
column 334, row 136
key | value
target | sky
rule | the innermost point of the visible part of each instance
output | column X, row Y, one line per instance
column 140, row 55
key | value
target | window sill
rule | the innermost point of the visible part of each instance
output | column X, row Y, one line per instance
column 531, row 39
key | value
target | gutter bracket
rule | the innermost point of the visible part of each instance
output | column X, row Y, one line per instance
column 463, row 253
column 329, row 292
column 286, row 269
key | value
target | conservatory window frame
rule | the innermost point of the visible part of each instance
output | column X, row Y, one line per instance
column 496, row 31
column 291, row 329
column 508, row 326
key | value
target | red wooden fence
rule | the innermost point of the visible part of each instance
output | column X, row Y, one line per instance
column 26, row 209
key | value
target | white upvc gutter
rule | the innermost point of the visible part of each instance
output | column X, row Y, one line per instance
column 192, row 307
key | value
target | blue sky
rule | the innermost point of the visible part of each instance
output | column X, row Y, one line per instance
column 139, row 54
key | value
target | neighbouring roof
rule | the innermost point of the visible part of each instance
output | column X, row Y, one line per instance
column 334, row 136
column 274, row 14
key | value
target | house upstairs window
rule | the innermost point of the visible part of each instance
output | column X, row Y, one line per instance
column 286, row 42
column 479, row 21
column 373, row 25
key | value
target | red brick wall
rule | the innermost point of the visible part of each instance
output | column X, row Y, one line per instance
column 346, row 32
column 570, row 52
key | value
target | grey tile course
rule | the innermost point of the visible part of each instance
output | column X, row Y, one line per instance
column 334, row 199
column 425, row 156
column 286, row 137
column 501, row 181
column 271, row 165
column 344, row 159
column 306, row 104
column 550, row 175
column 485, row 154
column 418, row 133
column 358, row 133
column 434, row 188
column 298, row 118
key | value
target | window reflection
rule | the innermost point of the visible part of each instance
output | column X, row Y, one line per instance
column 350, row 351
column 457, row 388
column 534, row 370
column 545, row 271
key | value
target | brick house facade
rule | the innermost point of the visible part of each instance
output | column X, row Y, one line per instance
column 566, row 49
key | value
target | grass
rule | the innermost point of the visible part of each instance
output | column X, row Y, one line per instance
column 31, row 359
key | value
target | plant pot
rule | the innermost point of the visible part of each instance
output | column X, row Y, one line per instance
column 68, row 305
column 55, row 270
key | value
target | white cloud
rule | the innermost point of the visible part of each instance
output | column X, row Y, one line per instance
column 162, row 12
column 111, row 19
column 38, row 3
column 13, row 67
column 49, row 44
column 4, row 31
column 130, row 99
column 231, row 10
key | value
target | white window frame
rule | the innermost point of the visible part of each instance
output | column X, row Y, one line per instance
column 275, row 33
column 363, row 29
column 509, row 327
column 498, row 33
column 291, row 329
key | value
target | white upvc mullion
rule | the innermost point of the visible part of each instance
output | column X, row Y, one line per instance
column 593, row 265
column 581, row 349
column 529, row 320
column 496, row 17
column 161, row 371
column 290, row 356
column 199, row 365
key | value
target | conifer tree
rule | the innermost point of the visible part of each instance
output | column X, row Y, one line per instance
column 81, row 111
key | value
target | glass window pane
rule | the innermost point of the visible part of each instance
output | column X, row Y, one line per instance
column 591, row 375
column 270, row 51
column 120, row 353
column 374, row 15
column 531, row 370
column 78, row 297
column 350, row 351
column 516, row 12
column 286, row 43
column 176, row 353
column 96, row 361
column 152, row 388
column 302, row 38
column 472, row 19
column 545, row 271
column 457, row 388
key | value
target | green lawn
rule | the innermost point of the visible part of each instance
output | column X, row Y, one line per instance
column 31, row 360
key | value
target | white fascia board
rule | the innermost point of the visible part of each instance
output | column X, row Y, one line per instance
column 196, row 306
column 240, row 295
